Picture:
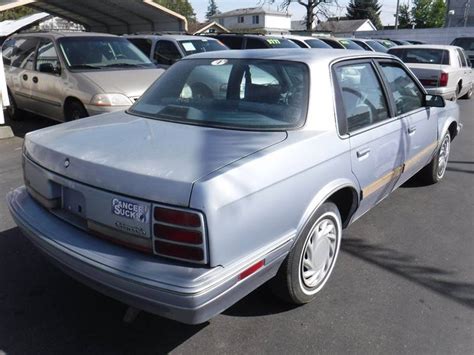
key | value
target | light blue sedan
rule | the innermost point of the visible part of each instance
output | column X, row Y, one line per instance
column 233, row 169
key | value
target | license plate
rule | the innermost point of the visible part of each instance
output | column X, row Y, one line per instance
column 131, row 210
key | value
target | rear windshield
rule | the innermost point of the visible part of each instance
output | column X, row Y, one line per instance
column 465, row 43
column 201, row 45
column 316, row 43
column 102, row 53
column 229, row 93
column 421, row 55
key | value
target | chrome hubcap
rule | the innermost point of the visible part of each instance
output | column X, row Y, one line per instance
column 443, row 157
column 319, row 252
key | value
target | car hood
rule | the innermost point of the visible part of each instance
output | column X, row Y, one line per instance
column 138, row 157
column 131, row 82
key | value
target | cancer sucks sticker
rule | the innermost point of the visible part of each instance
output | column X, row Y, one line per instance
column 130, row 210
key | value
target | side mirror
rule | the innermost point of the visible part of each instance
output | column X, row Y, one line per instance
column 434, row 101
column 49, row 68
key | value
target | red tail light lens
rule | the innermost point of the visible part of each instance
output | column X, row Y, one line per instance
column 443, row 79
column 179, row 234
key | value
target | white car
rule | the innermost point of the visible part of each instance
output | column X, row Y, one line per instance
column 443, row 70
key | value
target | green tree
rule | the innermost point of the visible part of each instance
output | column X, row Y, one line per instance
column 365, row 9
column 211, row 9
column 182, row 7
column 16, row 13
column 428, row 13
column 404, row 16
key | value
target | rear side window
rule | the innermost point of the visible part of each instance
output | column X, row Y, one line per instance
column 253, row 43
column 466, row 43
column 406, row 94
column 421, row 55
column 22, row 54
column 166, row 53
column 462, row 58
column 233, row 42
column 142, row 44
column 362, row 95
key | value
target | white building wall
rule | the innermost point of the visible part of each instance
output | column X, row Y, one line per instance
column 280, row 22
column 365, row 27
column 428, row 35
column 265, row 21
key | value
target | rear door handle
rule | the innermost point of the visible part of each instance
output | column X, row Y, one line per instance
column 363, row 153
column 25, row 77
column 411, row 130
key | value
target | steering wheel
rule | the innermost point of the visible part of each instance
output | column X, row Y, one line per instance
column 201, row 91
column 363, row 100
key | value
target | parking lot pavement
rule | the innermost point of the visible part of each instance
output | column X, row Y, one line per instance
column 403, row 284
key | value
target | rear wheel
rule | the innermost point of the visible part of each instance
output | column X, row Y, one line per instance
column 309, row 265
column 468, row 94
column 13, row 112
column 74, row 110
column 435, row 170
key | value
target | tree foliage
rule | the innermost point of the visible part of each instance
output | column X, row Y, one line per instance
column 211, row 9
column 16, row 13
column 404, row 16
column 182, row 7
column 314, row 9
column 365, row 10
column 428, row 13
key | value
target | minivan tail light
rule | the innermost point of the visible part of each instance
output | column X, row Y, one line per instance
column 443, row 79
column 179, row 234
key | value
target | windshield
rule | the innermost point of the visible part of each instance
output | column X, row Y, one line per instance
column 96, row 53
column 465, row 43
column 421, row 55
column 376, row 46
column 201, row 45
column 316, row 43
column 281, row 43
column 348, row 44
column 229, row 93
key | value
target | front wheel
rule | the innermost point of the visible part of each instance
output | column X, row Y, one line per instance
column 74, row 110
column 309, row 265
column 13, row 112
column 435, row 170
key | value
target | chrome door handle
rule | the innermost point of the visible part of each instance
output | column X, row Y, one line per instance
column 411, row 130
column 363, row 153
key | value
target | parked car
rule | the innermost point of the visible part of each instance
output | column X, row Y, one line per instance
column 385, row 42
column 415, row 42
column 399, row 42
column 466, row 43
column 443, row 70
column 165, row 50
column 341, row 43
column 185, row 203
column 65, row 76
column 370, row 45
column 307, row 42
column 254, row 41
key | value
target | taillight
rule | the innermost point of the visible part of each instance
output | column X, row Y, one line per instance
column 443, row 79
column 179, row 234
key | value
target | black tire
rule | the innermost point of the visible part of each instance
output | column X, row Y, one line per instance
column 74, row 110
column 468, row 94
column 436, row 169
column 12, row 111
column 292, row 283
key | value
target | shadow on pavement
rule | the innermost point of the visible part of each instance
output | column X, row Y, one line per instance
column 45, row 312
column 29, row 123
column 406, row 266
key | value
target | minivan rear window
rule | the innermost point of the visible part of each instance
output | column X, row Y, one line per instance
column 229, row 93
column 421, row 55
column 466, row 43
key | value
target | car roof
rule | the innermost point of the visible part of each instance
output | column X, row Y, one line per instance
column 294, row 54
column 246, row 35
column 426, row 46
column 297, row 37
column 55, row 34
column 175, row 37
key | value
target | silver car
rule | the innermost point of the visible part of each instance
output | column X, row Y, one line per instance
column 196, row 196
column 65, row 76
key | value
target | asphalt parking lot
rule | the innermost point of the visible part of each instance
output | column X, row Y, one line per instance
column 404, row 283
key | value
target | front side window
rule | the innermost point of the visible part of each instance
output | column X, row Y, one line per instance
column 47, row 56
column 230, row 93
column 101, row 53
column 166, row 53
column 406, row 94
column 143, row 44
column 23, row 53
column 362, row 95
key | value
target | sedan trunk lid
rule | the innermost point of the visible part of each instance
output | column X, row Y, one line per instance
column 139, row 157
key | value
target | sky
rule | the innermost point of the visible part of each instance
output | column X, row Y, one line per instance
column 298, row 12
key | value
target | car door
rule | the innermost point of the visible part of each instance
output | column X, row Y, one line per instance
column 20, row 71
column 47, row 83
column 376, row 137
column 166, row 53
column 420, row 123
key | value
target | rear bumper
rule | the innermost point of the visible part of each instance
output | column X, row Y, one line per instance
column 446, row 92
column 187, row 294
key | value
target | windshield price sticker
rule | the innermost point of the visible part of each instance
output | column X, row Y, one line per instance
column 130, row 210
column 273, row 41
